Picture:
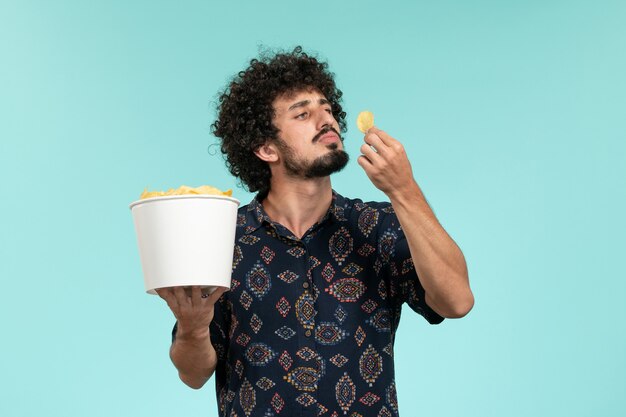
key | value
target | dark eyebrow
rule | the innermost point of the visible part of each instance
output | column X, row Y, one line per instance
column 304, row 103
column 299, row 104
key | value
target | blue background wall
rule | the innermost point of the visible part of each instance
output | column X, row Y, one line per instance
column 512, row 113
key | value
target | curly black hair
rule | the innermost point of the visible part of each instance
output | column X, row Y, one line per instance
column 245, row 112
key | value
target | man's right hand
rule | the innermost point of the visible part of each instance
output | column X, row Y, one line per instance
column 194, row 313
column 192, row 352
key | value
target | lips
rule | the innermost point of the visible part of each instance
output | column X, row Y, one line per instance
column 329, row 137
column 328, row 134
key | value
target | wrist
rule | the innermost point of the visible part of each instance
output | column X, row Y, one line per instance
column 405, row 195
column 200, row 334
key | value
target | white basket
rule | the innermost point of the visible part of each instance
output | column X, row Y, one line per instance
column 186, row 240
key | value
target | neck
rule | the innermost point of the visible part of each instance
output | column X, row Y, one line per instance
column 298, row 204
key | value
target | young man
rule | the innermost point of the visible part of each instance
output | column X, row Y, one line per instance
column 319, row 280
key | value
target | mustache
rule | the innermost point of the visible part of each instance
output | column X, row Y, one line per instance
column 324, row 131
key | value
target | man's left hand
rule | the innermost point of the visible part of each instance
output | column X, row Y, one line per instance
column 385, row 162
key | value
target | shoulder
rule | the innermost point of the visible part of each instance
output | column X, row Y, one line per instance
column 247, row 219
column 242, row 216
column 242, row 211
column 357, row 207
column 370, row 218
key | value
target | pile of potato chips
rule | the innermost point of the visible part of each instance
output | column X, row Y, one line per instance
column 185, row 190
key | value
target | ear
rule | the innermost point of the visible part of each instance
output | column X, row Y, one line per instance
column 267, row 152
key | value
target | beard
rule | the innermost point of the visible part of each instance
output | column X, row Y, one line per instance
column 322, row 166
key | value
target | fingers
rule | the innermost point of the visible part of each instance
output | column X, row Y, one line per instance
column 181, row 296
column 367, row 166
column 192, row 310
column 372, row 139
column 162, row 292
column 387, row 152
column 384, row 144
column 178, row 297
column 384, row 137
column 370, row 153
column 216, row 294
column 167, row 295
column 196, row 295
column 365, row 163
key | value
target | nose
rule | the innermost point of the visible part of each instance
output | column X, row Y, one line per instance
column 325, row 118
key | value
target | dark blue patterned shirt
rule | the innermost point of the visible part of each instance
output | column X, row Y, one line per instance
column 308, row 326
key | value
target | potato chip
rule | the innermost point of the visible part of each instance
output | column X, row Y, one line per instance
column 365, row 121
column 186, row 190
column 149, row 194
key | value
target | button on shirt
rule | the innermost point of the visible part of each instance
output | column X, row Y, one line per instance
column 308, row 326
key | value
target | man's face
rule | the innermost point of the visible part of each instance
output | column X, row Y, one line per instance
column 308, row 142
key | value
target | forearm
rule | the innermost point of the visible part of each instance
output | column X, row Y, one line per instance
column 194, row 357
column 438, row 261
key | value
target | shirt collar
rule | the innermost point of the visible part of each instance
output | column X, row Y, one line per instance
column 256, row 216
